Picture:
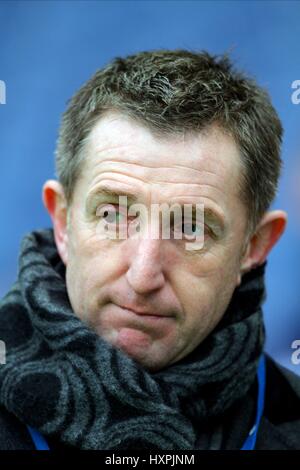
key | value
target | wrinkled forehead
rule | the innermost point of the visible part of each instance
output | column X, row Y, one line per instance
column 189, row 156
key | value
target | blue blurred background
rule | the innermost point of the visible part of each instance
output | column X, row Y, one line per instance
column 49, row 48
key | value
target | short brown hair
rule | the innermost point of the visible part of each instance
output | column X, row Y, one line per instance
column 172, row 91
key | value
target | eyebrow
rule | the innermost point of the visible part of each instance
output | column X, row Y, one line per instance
column 105, row 193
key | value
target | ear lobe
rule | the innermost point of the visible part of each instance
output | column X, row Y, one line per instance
column 268, row 232
column 55, row 203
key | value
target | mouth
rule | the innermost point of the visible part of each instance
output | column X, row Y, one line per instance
column 132, row 329
column 143, row 313
column 136, row 327
column 143, row 319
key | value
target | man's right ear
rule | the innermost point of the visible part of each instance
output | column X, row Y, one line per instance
column 55, row 203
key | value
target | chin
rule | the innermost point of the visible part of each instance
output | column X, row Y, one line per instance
column 144, row 348
column 147, row 358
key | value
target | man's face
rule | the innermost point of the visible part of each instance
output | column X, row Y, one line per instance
column 174, row 296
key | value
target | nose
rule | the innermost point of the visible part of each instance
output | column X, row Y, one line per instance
column 145, row 273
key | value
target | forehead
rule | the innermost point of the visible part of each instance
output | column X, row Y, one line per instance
column 118, row 140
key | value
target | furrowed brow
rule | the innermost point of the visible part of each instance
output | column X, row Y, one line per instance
column 104, row 194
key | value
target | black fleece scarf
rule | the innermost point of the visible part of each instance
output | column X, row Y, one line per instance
column 66, row 381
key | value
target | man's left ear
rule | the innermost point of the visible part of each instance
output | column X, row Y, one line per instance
column 268, row 231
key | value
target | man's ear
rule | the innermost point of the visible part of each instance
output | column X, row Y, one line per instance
column 55, row 203
column 267, row 233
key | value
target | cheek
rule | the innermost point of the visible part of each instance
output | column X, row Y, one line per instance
column 92, row 264
column 197, row 297
column 204, row 294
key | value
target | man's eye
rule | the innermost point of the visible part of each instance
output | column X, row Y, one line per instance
column 192, row 229
column 111, row 214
